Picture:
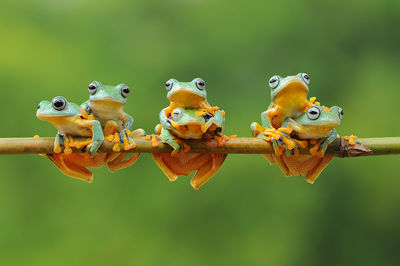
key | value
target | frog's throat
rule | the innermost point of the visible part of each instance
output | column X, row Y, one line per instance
column 57, row 120
column 313, row 131
column 106, row 104
column 186, row 98
column 293, row 86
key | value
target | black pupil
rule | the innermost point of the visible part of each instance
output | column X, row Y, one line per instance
column 126, row 90
column 58, row 103
column 306, row 77
column 313, row 112
column 92, row 87
column 167, row 84
column 272, row 80
column 201, row 83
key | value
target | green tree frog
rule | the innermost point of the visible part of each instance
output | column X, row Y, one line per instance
column 316, row 125
column 288, row 99
column 106, row 104
column 189, row 116
column 66, row 117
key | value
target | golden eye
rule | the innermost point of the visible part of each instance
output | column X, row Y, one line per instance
column 59, row 103
column 274, row 82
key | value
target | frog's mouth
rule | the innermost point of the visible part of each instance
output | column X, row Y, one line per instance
column 293, row 87
column 185, row 97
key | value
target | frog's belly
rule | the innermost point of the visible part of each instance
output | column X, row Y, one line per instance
column 75, row 130
column 189, row 132
column 104, row 113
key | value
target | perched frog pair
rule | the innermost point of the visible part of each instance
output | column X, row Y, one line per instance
column 189, row 116
column 101, row 117
column 292, row 122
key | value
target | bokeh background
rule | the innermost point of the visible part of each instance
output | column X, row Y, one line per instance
column 248, row 214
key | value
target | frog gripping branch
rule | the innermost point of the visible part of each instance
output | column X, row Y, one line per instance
column 189, row 116
column 291, row 122
column 98, row 133
column 102, row 117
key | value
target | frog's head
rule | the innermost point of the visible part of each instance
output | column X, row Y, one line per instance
column 100, row 93
column 320, row 119
column 58, row 107
column 289, row 85
column 186, row 93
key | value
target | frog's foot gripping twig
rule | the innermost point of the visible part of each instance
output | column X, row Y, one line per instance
column 154, row 139
column 122, row 137
column 351, row 139
column 222, row 139
column 183, row 147
column 319, row 148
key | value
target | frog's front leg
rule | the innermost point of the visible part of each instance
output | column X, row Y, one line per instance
column 322, row 144
column 129, row 122
column 58, row 142
column 97, row 135
column 171, row 140
column 164, row 117
column 86, row 111
column 213, row 121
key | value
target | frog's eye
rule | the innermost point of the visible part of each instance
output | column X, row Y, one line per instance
column 176, row 114
column 200, row 84
column 306, row 78
column 274, row 82
column 59, row 103
column 340, row 113
column 125, row 91
column 313, row 113
column 93, row 87
column 168, row 85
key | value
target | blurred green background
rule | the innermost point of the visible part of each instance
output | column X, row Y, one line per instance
column 248, row 214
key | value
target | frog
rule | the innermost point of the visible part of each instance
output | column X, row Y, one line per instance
column 288, row 99
column 67, row 118
column 189, row 117
column 316, row 126
column 106, row 104
column 191, row 95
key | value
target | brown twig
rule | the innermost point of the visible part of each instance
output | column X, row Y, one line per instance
column 339, row 148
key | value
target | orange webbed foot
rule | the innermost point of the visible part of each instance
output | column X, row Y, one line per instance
column 317, row 151
column 221, row 140
column 351, row 139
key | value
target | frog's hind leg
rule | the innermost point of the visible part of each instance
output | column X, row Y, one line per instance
column 313, row 174
column 118, row 163
column 159, row 159
column 208, row 170
column 67, row 165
